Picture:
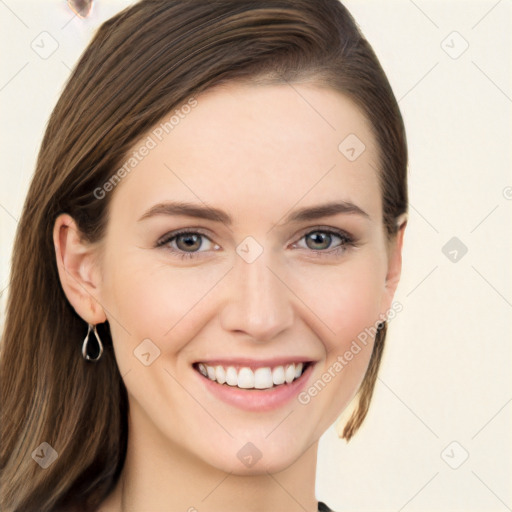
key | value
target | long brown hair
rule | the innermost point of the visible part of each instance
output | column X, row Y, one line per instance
column 141, row 64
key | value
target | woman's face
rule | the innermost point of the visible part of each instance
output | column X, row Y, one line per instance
column 284, row 261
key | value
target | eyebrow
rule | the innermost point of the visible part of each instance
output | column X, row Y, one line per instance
column 217, row 215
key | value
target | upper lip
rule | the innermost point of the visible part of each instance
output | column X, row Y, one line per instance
column 255, row 363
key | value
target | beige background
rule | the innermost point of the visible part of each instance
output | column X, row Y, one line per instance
column 445, row 391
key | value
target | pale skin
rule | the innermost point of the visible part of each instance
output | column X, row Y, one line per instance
column 259, row 153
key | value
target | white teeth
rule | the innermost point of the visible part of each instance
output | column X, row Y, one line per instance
column 263, row 378
column 211, row 372
column 246, row 378
column 232, row 376
column 220, row 374
column 289, row 373
column 202, row 369
column 278, row 375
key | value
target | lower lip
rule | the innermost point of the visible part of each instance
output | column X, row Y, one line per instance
column 257, row 399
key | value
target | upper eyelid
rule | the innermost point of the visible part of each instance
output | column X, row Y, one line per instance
column 173, row 234
column 326, row 229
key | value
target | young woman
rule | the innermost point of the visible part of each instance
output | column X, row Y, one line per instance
column 205, row 262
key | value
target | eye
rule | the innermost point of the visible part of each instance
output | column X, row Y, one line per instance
column 187, row 243
column 326, row 240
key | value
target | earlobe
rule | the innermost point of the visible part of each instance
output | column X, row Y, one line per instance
column 77, row 268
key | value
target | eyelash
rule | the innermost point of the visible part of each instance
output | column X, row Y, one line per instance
column 346, row 241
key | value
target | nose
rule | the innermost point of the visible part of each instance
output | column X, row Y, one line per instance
column 258, row 303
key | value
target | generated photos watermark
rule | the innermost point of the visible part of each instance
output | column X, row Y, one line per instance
column 344, row 359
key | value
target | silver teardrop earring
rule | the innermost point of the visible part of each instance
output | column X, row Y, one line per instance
column 86, row 342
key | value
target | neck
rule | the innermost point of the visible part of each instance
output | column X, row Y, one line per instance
column 160, row 476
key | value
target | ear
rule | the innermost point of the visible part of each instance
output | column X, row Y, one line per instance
column 78, row 270
column 394, row 269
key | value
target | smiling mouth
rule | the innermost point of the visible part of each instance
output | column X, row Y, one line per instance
column 247, row 378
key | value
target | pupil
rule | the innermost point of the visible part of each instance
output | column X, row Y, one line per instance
column 319, row 238
column 189, row 242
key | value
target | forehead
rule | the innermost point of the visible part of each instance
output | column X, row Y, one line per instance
column 255, row 148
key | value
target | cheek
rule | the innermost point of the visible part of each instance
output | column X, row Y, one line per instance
column 346, row 298
column 150, row 300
